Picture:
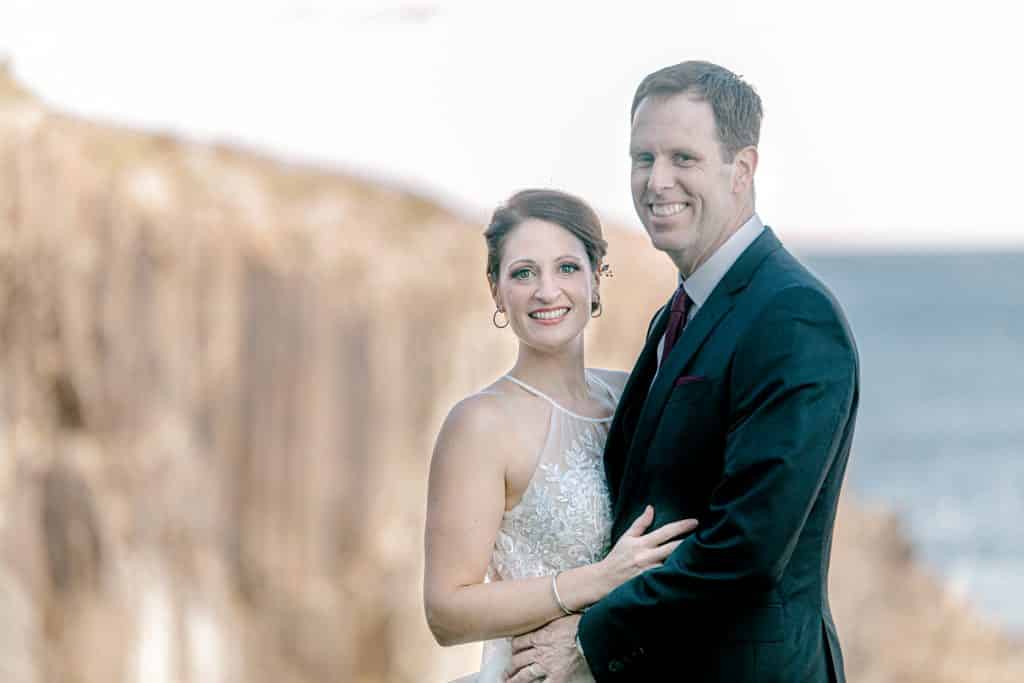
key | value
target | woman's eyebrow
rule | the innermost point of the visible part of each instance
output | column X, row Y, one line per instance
column 528, row 261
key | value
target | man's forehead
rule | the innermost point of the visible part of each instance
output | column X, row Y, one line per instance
column 658, row 100
column 672, row 117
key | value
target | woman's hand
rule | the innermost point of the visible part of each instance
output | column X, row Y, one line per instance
column 637, row 552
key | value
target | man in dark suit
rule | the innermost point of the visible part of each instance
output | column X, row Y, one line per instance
column 739, row 412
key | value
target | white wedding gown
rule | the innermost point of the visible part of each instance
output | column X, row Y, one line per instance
column 564, row 519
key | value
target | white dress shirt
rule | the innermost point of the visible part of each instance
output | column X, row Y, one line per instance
column 703, row 281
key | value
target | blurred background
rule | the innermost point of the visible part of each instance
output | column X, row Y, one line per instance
column 241, row 284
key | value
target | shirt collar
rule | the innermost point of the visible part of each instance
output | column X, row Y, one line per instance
column 703, row 281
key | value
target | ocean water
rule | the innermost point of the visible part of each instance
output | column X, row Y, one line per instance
column 940, row 433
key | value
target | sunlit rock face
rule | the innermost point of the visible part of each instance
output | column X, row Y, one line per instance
column 220, row 380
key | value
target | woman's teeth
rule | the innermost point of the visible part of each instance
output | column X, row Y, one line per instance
column 666, row 210
column 549, row 315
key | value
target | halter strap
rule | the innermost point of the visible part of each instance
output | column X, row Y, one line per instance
column 604, row 385
column 555, row 404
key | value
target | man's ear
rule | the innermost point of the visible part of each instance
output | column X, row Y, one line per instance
column 745, row 162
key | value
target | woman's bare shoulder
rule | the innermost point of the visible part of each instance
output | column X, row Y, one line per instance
column 475, row 416
column 492, row 418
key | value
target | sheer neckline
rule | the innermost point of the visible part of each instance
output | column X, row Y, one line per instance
column 558, row 406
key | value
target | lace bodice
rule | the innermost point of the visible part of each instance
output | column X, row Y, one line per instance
column 564, row 518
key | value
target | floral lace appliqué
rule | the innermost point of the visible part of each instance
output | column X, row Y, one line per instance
column 564, row 518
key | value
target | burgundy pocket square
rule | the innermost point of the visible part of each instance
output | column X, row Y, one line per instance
column 690, row 379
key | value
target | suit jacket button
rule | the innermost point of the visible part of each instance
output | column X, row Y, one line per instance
column 615, row 666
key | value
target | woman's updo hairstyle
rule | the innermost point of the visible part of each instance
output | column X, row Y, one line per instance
column 552, row 206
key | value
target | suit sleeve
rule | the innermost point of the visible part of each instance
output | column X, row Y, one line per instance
column 792, row 389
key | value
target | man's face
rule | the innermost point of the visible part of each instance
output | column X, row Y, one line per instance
column 686, row 196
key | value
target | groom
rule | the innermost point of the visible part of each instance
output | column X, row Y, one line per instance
column 739, row 412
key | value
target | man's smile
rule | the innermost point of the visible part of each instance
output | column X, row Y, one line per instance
column 667, row 210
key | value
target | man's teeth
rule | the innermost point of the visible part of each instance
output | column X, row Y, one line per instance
column 549, row 315
column 665, row 210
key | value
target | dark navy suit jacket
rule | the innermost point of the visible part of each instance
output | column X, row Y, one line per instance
column 747, row 428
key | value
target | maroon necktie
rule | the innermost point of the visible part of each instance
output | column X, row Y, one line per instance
column 677, row 314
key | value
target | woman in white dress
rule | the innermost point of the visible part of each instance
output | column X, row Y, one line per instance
column 518, row 511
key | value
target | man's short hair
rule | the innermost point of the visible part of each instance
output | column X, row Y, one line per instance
column 737, row 107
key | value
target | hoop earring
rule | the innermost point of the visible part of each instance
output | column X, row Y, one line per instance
column 597, row 312
column 494, row 319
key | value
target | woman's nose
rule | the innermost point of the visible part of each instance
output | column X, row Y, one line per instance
column 547, row 288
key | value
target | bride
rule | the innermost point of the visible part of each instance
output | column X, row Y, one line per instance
column 518, row 510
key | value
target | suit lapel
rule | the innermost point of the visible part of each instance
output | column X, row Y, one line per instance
column 634, row 395
column 697, row 332
column 693, row 336
column 635, row 392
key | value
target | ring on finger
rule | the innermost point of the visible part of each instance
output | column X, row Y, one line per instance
column 535, row 672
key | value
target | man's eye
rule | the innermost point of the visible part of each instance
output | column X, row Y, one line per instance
column 521, row 274
column 683, row 159
column 568, row 268
column 642, row 161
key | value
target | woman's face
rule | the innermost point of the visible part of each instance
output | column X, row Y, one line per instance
column 545, row 284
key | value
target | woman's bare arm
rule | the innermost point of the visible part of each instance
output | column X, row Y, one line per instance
column 465, row 505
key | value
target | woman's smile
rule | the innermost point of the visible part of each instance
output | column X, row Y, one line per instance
column 550, row 316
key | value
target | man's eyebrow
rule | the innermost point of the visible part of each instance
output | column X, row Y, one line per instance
column 680, row 149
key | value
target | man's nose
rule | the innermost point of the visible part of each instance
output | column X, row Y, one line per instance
column 660, row 177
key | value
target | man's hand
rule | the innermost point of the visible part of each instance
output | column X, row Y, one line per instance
column 548, row 654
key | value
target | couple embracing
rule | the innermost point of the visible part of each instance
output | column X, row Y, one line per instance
column 674, row 523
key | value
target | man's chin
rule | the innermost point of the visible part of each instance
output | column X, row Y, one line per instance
column 670, row 242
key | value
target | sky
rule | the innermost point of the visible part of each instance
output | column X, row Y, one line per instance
column 887, row 124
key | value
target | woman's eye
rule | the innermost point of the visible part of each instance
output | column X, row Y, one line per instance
column 568, row 268
column 521, row 274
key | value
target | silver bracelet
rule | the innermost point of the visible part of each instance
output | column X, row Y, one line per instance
column 558, row 598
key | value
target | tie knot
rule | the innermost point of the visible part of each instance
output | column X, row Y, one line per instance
column 681, row 301
column 678, row 311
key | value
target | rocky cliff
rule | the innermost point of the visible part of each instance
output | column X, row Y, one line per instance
column 220, row 379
